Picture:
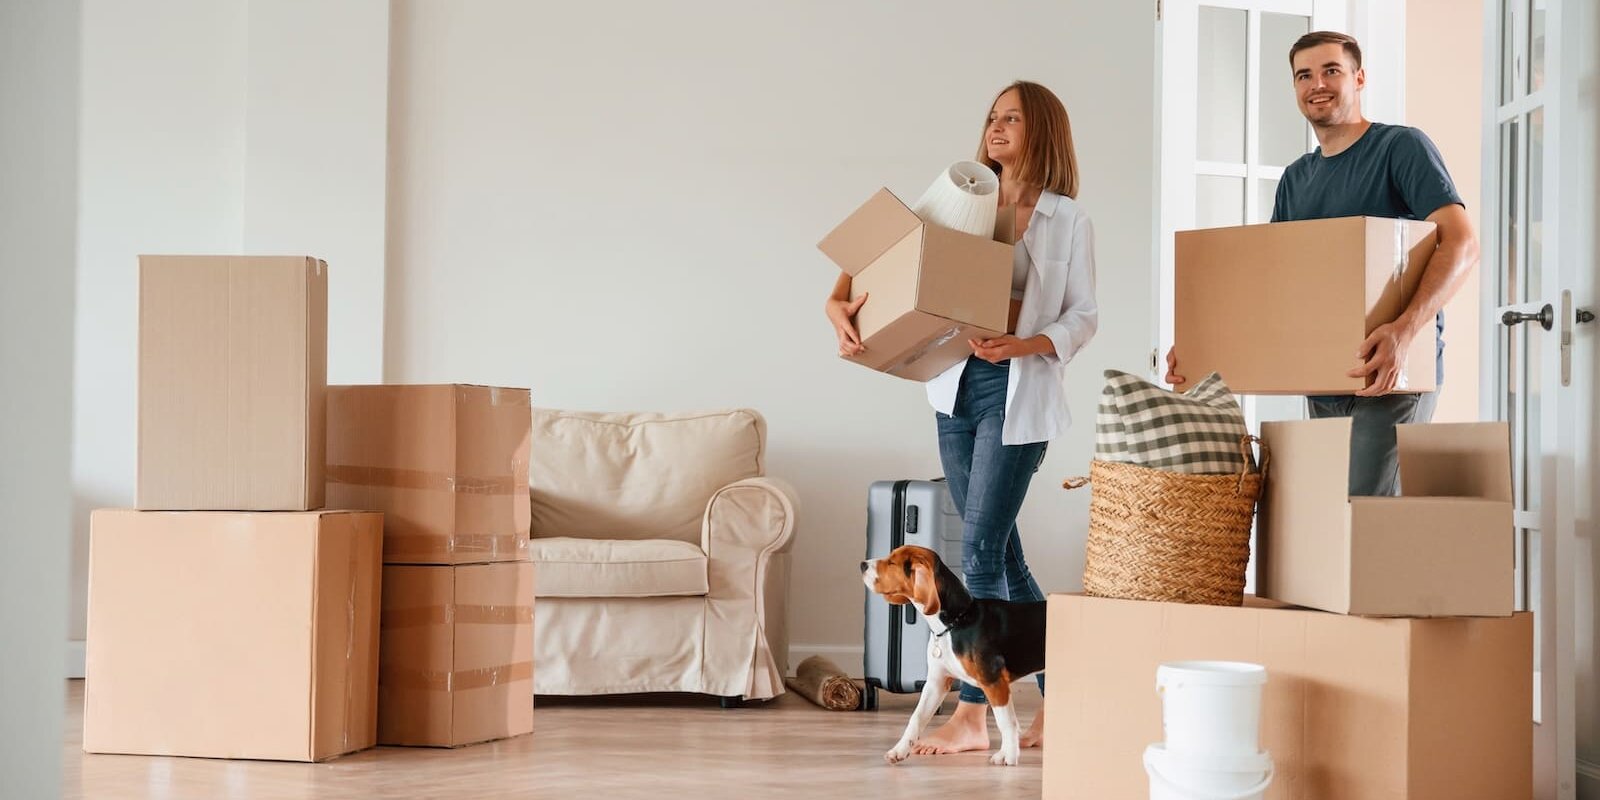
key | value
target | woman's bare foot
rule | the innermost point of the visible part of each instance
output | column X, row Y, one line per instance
column 968, row 729
column 1034, row 735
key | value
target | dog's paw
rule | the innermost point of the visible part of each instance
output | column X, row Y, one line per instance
column 1004, row 758
column 901, row 752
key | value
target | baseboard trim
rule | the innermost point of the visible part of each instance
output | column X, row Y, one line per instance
column 1588, row 780
column 848, row 657
column 75, row 659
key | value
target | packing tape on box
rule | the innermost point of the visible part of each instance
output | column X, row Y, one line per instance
column 452, row 613
column 1402, row 255
column 391, row 478
column 916, row 355
column 422, row 548
column 454, row 680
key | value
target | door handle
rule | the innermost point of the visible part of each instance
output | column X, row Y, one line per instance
column 1546, row 317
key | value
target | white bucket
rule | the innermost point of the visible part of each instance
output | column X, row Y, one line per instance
column 1176, row 776
column 1211, row 708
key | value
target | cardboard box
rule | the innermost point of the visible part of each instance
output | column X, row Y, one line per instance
column 232, row 635
column 1444, row 548
column 233, row 355
column 1354, row 708
column 1283, row 308
column 457, row 654
column 446, row 464
column 931, row 288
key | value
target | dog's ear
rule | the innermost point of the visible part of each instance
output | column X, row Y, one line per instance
column 924, row 588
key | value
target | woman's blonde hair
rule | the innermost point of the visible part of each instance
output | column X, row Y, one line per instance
column 1048, row 159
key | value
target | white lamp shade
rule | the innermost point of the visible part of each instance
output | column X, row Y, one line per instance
column 964, row 197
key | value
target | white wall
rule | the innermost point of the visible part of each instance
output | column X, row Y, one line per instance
column 621, row 211
column 38, row 174
column 219, row 126
column 1448, row 106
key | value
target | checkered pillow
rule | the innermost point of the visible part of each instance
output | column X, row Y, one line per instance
column 1196, row 432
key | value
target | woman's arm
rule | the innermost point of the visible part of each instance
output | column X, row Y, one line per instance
column 1080, row 314
column 841, row 312
column 1075, row 325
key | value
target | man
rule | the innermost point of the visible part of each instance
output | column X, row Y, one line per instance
column 1363, row 168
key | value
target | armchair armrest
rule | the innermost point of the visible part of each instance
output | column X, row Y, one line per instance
column 747, row 533
column 755, row 514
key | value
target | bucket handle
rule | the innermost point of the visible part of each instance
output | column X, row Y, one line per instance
column 1155, row 772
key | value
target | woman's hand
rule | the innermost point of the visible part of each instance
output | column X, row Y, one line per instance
column 842, row 314
column 1001, row 348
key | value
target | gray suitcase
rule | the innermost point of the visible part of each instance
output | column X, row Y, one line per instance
column 895, row 641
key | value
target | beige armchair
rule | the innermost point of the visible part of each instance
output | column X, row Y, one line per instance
column 662, row 555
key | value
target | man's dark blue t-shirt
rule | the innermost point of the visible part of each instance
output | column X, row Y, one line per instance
column 1391, row 171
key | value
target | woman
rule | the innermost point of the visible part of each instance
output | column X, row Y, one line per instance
column 998, row 410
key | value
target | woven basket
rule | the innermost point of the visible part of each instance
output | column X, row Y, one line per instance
column 1168, row 536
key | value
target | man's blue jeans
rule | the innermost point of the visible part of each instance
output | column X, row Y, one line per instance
column 1374, row 455
column 988, row 481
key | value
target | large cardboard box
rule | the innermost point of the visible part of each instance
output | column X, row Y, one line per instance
column 1354, row 708
column 232, row 635
column 446, row 464
column 1443, row 548
column 1283, row 308
column 233, row 354
column 457, row 654
column 931, row 288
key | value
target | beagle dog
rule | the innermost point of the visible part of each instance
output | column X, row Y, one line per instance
column 986, row 643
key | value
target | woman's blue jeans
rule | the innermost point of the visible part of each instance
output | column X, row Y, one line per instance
column 988, row 481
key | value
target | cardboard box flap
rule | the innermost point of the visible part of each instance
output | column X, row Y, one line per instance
column 1304, row 516
column 1005, row 225
column 1310, row 460
column 868, row 232
column 1467, row 459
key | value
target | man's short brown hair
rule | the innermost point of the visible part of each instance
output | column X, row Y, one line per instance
column 1315, row 38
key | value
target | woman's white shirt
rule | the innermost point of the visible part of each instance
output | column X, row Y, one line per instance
column 1058, row 248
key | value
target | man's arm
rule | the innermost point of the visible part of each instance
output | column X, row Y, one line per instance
column 1449, row 267
column 1385, row 350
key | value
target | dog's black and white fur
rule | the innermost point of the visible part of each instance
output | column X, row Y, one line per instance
column 986, row 643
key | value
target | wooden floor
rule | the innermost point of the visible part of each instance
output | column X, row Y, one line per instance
column 654, row 747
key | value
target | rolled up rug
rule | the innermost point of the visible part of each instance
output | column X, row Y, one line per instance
column 964, row 197
column 822, row 682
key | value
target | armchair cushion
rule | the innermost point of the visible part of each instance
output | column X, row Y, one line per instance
column 637, row 475
column 572, row 567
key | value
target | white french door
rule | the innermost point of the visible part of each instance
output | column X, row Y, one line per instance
column 1528, row 344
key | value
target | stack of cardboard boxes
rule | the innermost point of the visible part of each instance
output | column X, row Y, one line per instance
column 232, row 615
column 448, row 466
column 229, row 616
column 1396, row 667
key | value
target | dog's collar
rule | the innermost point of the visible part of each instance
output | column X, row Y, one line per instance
column 956, row 621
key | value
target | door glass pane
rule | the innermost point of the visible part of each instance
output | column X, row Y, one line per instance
column 1536, row 46
column 1535, row 203
column 1510, row 269
column 1283, row 129
column 1508, row 39
column 1266, row 194
column 1218, row 201
column 1221, row 85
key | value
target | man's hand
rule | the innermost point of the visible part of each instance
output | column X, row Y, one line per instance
column 842, row 314
column 1001, row 348
column 1385, row 355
